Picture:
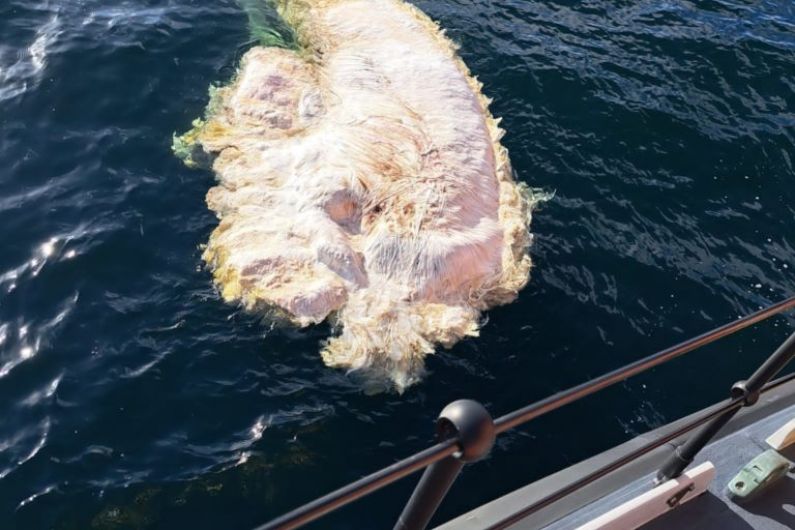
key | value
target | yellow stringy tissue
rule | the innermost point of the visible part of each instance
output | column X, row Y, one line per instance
column 361, row 178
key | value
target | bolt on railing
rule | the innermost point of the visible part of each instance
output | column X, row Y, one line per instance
column 473, row 428
column 748, row 394
column 731, row 405
column 466, row 432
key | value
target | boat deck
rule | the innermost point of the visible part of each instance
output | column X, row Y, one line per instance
column 741, row 440
column 774, row 510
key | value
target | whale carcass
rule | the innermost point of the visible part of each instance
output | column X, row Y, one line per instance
column 361, row 177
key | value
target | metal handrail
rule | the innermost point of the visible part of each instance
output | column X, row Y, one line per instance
column 749, row 390
column 523, row 415
column 356, row 490
column 730, row 405
column 453, row 447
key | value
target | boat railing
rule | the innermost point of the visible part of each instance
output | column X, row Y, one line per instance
column 466, row 432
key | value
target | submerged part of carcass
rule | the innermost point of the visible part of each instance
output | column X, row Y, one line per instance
column 361, row 177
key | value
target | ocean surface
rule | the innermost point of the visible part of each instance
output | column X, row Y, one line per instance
column 132, row 397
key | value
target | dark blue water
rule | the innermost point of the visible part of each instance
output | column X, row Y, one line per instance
column 131, row 396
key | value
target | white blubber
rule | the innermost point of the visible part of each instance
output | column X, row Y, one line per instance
column 361, row 178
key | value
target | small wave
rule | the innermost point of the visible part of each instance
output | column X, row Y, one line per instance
column 15, row 78
column 41, row 442
column 29, row 344
column 23, row 354
column 16, row 447
column 137, row 372
column 53, row 249
column 32, row 266
column 27, row 500
column 44, row 39
column 44, row 394
column 255, row 434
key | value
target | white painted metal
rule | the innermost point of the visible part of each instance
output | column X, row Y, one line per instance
column 784, row 437
column 654, row 503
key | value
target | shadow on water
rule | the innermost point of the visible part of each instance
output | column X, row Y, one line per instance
column 237, row 492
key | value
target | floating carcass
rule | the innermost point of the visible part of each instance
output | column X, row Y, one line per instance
column 361, row 177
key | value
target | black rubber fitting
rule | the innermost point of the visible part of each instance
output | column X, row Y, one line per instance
column 472, row 424
column 739, row 389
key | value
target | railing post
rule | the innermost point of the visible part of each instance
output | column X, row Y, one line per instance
column 472, row 424
column 749, row 390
